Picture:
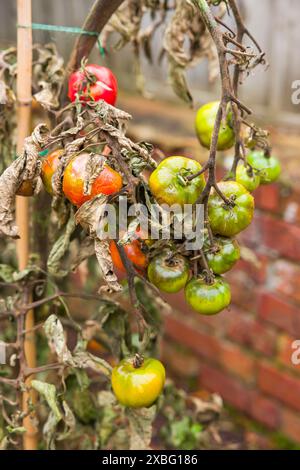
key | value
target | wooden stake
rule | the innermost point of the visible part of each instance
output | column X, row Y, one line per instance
column 24, row 78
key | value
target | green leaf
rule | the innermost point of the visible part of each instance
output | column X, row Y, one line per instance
column 6, row 273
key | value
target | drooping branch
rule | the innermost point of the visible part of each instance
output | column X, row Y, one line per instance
column 97, row 18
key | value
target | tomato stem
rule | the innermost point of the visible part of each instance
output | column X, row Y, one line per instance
column 137, row 361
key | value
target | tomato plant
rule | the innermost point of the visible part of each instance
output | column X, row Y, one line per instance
column 169, row 182
column 230, row 217
column 223, row 255
column 108, row 182
column 205, row 121
column 205, row 298
column 93, row 83
column 168, row 272
column 269, row 168
column 138, row 383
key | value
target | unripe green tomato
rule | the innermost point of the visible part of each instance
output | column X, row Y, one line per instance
column 168, row 274
column 269, row 167
column 208, row 299
column 138, row 387
column 248, row 177
column 226, row 255
column 229, row 220
column 168, row 182
column 205, row 122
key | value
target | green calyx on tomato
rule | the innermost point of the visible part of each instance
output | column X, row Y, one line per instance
column 169, row 183
column 223, row 255
column 269, row 168
column 169, row 273
column 230, row 219
column 208, row 299
column 248, row 177
column 138, row 383
column 205, row 123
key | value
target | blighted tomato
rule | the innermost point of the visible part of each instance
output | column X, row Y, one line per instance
column 205, row 123
column 208, row 299
column 269, row 167
column 134, row 253
column 230, row 219
column 248, row 177
column 169, row 273
column 138, row 386
column 169, row 184
column 49, row 166
column 94, row 83
column 223, row 255
column 108, row 182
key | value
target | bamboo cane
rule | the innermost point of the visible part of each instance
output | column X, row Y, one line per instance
column 24, row 77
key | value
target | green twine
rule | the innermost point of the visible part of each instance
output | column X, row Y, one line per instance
column 65, row 29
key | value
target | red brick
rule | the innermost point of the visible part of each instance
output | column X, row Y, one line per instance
column 238, row 363
column 242, row 289
column 281, row 236
column 257, row 272
column 203, row 344
column 291, row 424
column 265, row 410
column 280, row 385
column 285, row 279
column 268, row 198
column 228, row 387
column 180, row 362
column 279, row 312
column 285, row 352
column 247, row 331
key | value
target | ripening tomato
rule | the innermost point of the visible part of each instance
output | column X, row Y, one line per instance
column 168, row 273
column 208, row 299
column 223, row 255
column 248, row 177
column 269, row 167
column 108, row 182
column 49, row 167
column 134, row 253
column 205, row 122
column 95, row 83
column 230, row 219
column 138, row 386
column 169, row 185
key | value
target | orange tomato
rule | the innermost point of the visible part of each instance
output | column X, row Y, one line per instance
column 133, row 252
column 49, row 167
column 108, row 182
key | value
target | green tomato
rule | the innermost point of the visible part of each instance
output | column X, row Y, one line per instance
column 208, row 299
column 168, row 274
column 230, row 219
column 169, row 185
column 248, row 177
column 269, row 167
column 226, row 252
column 138, row 386
column 205, row 122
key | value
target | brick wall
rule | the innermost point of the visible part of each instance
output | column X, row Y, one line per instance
column 244, row 353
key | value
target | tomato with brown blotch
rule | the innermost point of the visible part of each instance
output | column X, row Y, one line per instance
column 107, row 182
column 133, row 251
column 49, row 166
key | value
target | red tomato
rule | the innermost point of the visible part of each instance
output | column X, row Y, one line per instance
column 133, row 252
column 103, row 86
column 108, row 182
